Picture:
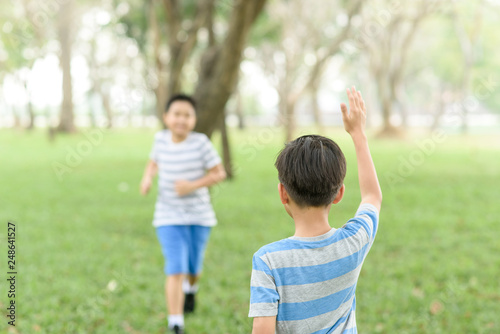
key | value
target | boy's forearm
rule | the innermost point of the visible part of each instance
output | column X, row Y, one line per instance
column 151, row 170
column 264, row 325
column 367, row 174
column 214, row 176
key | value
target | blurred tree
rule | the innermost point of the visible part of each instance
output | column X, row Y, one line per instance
column 220, row 61
column 217, row 31
column 385, row 38
column 22, row 42
column 295, row 63
column 115, row 63
column 65, row 34
column 468, row 40
column 455, row 77
column 224, row 27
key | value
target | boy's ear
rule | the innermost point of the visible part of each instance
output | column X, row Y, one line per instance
column 283, row 194
column 339, row 195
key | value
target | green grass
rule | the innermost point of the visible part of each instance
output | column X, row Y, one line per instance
column 434, row 266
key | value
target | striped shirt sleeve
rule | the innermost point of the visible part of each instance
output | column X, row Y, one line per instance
column 153, row 155
column 209, row 154
column 264, row 296
column 366, row 218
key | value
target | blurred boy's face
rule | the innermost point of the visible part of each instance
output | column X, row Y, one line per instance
column 180, row 119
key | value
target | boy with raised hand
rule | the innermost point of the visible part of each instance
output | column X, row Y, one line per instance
column 307, row 283
column 187, row 164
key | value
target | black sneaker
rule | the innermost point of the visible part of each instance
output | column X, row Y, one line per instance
column 177, row 330
column 189, row 303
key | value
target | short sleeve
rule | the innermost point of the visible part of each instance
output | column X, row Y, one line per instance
column 209, row 155
column 366, row 219
column 264, row 296
column 153, row 155
column 369, row 216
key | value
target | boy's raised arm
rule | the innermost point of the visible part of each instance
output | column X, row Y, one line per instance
column 354, row 124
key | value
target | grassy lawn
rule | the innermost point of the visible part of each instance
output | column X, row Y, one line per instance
column 88, row 260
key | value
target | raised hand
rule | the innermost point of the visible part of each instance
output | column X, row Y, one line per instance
column 355, row 118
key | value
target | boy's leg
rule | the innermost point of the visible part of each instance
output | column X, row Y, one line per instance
column 199, row 238
column 174, row 294
column 197, row 246
column 174, row 243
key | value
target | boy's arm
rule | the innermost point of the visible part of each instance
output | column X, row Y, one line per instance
column 214, row 175
column 354, row 124
column 264, row 325
column 147, row 178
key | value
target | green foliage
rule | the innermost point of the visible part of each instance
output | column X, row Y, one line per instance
column 88, row 259
column 266, row 29
column 17, row 40
column 136, row 22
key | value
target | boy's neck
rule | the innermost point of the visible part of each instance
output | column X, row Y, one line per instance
column 310, row 221
column 178, row 138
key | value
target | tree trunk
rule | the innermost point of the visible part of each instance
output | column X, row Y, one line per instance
column 106, row 104
column 440, row 109
column 31, row 115
column 161, row 86
column 386, row 101
column 99, row 88
column 239, row 112
column 220, row 66
column 226, row 149
column 288, row 112
column 318, row 121
column 17, row 119
column 66, row 122
column 467, row 45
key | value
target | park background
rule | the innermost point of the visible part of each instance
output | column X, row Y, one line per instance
column 83, row 83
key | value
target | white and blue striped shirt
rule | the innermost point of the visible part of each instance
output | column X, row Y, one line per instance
column 309, row 284
column 187, row 160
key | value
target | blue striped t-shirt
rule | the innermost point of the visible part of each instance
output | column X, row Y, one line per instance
column 309, row 284
column 187, row 160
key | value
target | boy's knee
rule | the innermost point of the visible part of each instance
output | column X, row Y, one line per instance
column 176, row 276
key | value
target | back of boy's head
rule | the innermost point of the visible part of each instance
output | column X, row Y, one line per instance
column 180, row 97
column 312, row 170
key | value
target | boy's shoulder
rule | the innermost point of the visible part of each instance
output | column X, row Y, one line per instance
column 162, row 134
column 198, row 136
column 276, row 246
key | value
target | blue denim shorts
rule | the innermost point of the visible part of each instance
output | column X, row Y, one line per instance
column 183, row 247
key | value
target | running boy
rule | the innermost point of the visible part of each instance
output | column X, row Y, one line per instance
column 187, row 164
column 307, row 283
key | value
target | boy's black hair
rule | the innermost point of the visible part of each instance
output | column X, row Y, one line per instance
column 312, row 170
column 180, row 97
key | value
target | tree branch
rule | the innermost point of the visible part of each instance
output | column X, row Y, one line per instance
column 332, row 50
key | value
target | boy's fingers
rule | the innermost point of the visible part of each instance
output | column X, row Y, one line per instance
column 355, row 98
column 361, row 101
column 350, row 96
column 343, row 108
